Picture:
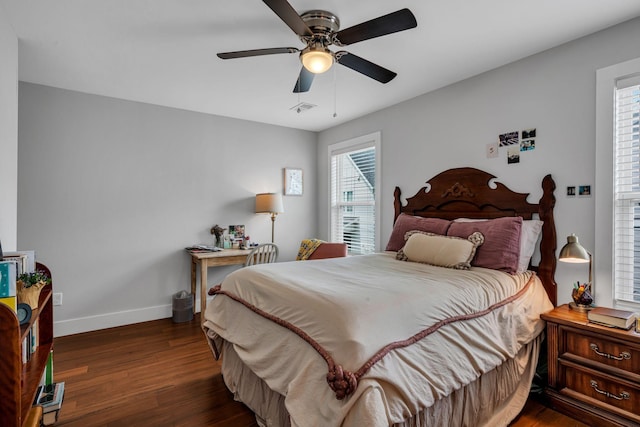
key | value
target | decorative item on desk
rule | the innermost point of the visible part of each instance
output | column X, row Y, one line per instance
column 218, row 232
column 29, row 287
column 236, row 233
column 270, row 203
column 574, row 252
column 581, row 294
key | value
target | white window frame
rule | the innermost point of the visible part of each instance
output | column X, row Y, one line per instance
column 365, row 141
column 606, row 79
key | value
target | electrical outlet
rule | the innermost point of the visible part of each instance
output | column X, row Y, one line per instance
column 57, row 298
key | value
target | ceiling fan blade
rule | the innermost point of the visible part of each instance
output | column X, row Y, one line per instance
column 288, row 14
column 257, row 52
column 365, row 67
column 303, row 84
column 400, row 20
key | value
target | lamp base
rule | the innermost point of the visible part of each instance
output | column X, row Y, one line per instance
column 581, row 307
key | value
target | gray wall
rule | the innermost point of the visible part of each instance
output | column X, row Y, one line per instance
column 553, row 91
column 8, row 134
column 111, row 191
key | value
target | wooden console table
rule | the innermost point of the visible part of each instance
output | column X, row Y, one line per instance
column 212, row 259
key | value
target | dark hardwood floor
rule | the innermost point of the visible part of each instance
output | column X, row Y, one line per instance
column 161, row 373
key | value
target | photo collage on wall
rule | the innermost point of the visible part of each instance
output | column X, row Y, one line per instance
column 516, row 142
column 582, row 191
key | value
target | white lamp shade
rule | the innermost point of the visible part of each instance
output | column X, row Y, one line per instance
column 269, row 203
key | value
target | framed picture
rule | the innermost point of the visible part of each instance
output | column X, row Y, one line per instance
column 293, row 182
column 237, row 232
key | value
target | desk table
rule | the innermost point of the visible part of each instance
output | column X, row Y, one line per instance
column 212, row 259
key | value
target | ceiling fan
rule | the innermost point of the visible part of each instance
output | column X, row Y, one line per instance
column 318, row 29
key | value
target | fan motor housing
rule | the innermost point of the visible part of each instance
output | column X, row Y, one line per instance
column 321, row 22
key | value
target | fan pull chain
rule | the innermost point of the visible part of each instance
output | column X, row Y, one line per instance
column 335, row 93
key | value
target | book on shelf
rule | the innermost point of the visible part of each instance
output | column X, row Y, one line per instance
column 612, row 317
column 26, row 259
column 26, row 355
column 50, row 397
column 20, row 261
column 34, row 334
column 30, row 343
column 12, row 302
column 50, row 418
column 8, row 278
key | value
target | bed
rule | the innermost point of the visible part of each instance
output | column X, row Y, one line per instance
column 442, row 328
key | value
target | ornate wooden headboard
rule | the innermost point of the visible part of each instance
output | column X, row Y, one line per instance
column 468, row 193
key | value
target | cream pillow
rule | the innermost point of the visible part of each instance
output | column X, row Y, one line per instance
column 442, row 251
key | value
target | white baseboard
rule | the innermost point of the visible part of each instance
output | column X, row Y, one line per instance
column 112, row 320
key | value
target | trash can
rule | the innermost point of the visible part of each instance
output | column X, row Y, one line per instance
column 182, row 307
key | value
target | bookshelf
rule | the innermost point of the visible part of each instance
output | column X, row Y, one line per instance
column 19, row 381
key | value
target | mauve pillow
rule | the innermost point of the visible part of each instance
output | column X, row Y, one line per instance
column 406, row 223
column 501, row 247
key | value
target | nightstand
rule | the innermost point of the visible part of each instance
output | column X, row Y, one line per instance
column 594, row 371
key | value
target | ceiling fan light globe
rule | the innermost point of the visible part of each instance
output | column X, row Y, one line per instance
column 317, row 61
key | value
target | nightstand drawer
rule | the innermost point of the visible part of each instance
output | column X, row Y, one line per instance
column 594, row 371
column 623, row 355
column 612, row 394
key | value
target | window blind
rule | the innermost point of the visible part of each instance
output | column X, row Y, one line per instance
column 627, row 190
column 353, row 181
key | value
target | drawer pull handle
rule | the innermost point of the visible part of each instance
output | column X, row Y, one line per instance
column 623, row 356
column 623, row 395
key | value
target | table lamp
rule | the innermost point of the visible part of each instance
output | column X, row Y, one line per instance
column 574, row 252
column 270, row 203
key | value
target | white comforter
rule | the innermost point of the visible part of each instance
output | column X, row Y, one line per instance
column 353, row 307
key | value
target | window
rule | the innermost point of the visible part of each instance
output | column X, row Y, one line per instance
column 347, row 196
column 354, row 172
column 627, row 190
column 617, row 195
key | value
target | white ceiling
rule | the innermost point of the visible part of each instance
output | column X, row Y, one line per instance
column 163, row 51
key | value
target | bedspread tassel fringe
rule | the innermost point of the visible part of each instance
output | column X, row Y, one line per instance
column 342, row 382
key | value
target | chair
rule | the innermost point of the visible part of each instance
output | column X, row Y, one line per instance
column 323, row 250
column 330, row 250
column 262, row 254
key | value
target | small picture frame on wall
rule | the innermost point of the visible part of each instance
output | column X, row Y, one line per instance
column 293, row 182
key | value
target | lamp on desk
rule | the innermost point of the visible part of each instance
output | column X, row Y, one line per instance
column 574, row 252
column 270, row 203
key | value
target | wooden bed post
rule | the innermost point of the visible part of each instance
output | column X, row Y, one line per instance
column 397, row 205
column 548, row 243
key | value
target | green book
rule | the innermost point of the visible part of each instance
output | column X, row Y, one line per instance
column 48, row 370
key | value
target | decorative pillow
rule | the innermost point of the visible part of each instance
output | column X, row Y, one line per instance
column 442, row 251
column 501, row 248
column 529, row 234
column 406, row 223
